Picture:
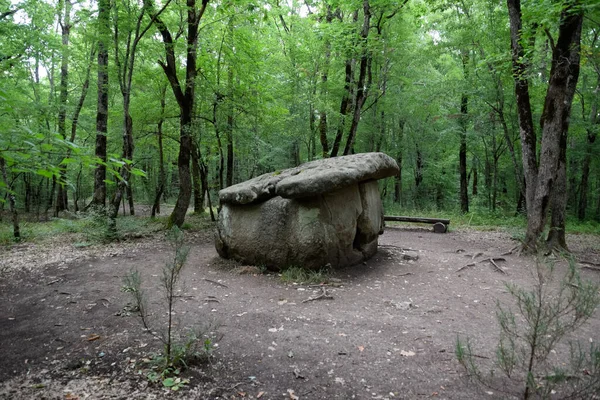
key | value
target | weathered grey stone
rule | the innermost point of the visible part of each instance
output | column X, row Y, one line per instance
column 313, row 178
column 332, row 228
column 326, row 212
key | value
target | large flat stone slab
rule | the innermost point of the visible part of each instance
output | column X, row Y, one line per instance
column 323, row 213
column 313, row 178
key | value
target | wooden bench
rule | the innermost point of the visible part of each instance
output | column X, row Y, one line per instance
column 440, row 225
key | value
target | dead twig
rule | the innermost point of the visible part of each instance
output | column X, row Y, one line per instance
column 322, row 296
column 466, row 266
column 216, row 283
column 511, row 251
column 492, row 260
column 590, row 267
column 213, row 299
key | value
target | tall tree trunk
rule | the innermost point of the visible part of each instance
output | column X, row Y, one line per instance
column 419, row 166
column 231, row 93
column 362, row 87
column 475, row 183
column 555, row 117
column 462, row 152
column 344, row 108
column 185, row 100
column 399, row 143
column 125, row 65
column 556, row 235
column 526, row 130
column 594, row 122
column 99, row 198
column 65, row 25
column 462, row 157
column 197, row 180
column 555, row 126
column 585, row 175
column 11, row 201
column 160, row 187
column 323, row 90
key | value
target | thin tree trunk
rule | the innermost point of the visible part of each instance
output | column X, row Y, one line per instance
column 362, row 87
column 197, row 181
column 462, row 152
column 160, row 187
column 65, row 24
column 11, row 202
column 99, row 198
column 526, row 130
column 399, row 143
column 585, row 169
column 475, row 180
column 324, row 76
column 344, row 108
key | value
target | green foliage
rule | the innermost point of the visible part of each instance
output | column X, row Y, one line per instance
column 179, row 349
column 547, row 313
column 295, row 274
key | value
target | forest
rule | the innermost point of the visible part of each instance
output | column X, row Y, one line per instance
column 488, row 107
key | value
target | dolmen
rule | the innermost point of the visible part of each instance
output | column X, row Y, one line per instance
column 323, row 213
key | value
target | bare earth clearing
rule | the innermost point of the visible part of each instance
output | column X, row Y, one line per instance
column 388, row 332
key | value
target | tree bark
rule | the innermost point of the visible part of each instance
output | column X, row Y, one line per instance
column 185, row 100
column 160, row 187
column 555, row 126
column 362, row 87
column 593, row 122
column 99, row 198
column 65, row 24
column 11, row 201
column 556, row 235
column 344, row 108
column 399, row 144
column 526, row 130
column 197, row 180
column 540, row 181
column 324, row 76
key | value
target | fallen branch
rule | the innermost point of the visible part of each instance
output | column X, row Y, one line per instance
column 492, row 260
column 323, row 296
column 590, row 267
column 496, row 265
column 216, row 283
column 511, row 251
column 466, row 266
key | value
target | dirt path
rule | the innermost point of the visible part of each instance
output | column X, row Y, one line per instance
column 389, row 330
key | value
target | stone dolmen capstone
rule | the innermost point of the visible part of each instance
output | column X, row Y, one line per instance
column 323, row 212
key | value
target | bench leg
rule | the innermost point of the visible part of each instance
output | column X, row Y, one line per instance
column 439, row 227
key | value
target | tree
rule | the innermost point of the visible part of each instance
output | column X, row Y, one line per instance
column 125, row 63
column 99, row 198
column 185, row 97
column 541, row 179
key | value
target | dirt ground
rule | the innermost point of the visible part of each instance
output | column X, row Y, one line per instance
column 388, row 331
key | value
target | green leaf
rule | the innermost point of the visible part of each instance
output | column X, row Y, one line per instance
column 67, row 161
column 45, row 173
column 169, row 382
column 137, row 172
